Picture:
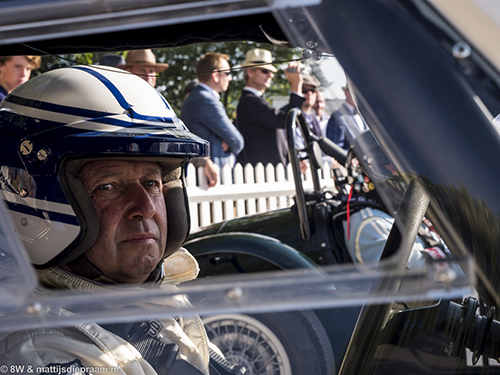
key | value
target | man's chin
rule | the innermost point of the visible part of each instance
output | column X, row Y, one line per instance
column 148, row 263
column 138, row 270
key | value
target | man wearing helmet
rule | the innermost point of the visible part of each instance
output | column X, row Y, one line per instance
column 129, row 202
column 95, row 188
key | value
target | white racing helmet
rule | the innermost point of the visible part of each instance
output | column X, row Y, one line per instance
column 56, row 122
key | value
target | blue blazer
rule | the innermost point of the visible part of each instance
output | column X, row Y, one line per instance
column 206, row 117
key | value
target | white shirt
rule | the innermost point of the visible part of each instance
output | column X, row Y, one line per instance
column 253, row 91
column 260, row 93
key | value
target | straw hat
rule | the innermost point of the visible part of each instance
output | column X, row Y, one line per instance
column 310, row 80
column 143, row 57
column 260, row 58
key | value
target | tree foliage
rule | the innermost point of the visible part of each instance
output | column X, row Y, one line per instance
column 182, row 69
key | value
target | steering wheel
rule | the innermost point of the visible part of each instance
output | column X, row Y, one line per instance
column 295, row 119
column 313, row 147
column 366, row 334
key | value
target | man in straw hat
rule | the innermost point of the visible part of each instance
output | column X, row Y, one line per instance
column 262, row 125
column 142, row 62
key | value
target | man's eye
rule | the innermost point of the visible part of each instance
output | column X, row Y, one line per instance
column 152, row 184
column 104, row 187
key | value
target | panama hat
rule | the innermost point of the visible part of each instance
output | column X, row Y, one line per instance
column 144, row 57
column 310, row 80
column 259, row 58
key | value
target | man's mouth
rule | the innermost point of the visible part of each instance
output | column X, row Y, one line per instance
column 144, row 238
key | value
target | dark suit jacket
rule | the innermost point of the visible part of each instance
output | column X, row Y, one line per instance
column 263, row 128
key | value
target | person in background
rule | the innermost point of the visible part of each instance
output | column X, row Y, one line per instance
column 346, row 123
column 112, row 60
column 15, row 70
column 310, row 88
column 189, row 87
column 321, row 114
column 205, row 115
column 209, row 168
column 142, row 62
column 262, row 125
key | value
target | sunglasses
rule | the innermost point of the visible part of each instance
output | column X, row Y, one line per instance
column 227, row 74
column 305, row 91
column 265, row 71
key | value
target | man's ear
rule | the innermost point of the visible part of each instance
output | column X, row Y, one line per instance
column 250, row 72
column 215, row 76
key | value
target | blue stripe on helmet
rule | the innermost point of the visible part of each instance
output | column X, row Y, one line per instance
column 164, row 100
column 42, row 214
column 126, row 124
column 75, row 111
column 106, row 82
column 117, row 94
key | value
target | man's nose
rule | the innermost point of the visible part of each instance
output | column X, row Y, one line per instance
column 141, row 204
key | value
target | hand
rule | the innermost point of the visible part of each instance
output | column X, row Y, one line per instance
column 295, row 79
column 225, row 146
column 303, row 166
column 211, row 173
column 335, row 164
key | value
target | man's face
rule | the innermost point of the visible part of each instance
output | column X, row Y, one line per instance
column 224, row 75
column 146, row 72
column 259, row 78
column 309, row 93
column 15, row 72
column 129, row 201
column 348, row 96
column 319, row 106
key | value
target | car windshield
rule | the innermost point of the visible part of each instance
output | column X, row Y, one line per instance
column 384, row 258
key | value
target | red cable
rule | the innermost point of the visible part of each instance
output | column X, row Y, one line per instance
column 348, row 210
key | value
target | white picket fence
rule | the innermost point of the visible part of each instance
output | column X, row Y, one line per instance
column 245, row 191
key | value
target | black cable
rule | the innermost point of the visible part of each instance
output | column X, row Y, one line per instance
column 104, row 67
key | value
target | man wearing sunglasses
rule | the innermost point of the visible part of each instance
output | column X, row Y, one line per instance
column 310, row 88
column 205, row 115
column 262, row 125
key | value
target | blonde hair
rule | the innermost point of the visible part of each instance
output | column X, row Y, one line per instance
column 35, row 61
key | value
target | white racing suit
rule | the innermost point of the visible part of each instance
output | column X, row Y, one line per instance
column 96, row 349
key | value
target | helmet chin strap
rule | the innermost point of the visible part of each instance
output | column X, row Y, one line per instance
column 158, row 274
column 81, row 266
